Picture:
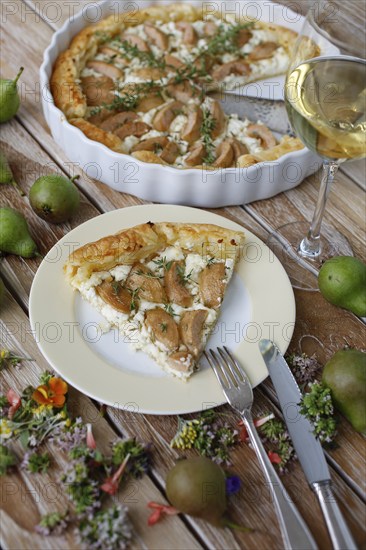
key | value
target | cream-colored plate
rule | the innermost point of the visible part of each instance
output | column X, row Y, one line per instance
column 259, row 304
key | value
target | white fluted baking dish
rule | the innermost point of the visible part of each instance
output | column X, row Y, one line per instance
column 160, row 183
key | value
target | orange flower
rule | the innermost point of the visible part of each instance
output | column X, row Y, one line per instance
column 52, row 393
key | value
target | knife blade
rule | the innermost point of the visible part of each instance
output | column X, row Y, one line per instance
column 271, row 112
column 308, row 448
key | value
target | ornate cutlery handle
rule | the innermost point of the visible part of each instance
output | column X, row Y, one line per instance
column 338, row 530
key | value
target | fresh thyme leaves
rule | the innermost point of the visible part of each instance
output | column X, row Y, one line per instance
column 130, row 52
column 190, row 72
column 116, row 287
column 207, row 126
column 317, row 406
column 163, row 263
column 134, row 298
column 129, row 100
column 183, row 278
column 225, row 41
column 147, row 274
column 211, row 261
column 169, row 309
column 164, row 327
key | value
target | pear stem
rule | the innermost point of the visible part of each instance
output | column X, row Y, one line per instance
column 231, row 525
column 15, row 81
column 75, row 178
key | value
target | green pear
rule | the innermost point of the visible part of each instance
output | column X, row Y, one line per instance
column 54, row 198
column 9, row 97
column 196, row 486
column 14, row 234
column 342, row 281
column 6, row 175
column 345, row 375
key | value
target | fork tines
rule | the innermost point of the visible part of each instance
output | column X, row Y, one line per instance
column 226, row 368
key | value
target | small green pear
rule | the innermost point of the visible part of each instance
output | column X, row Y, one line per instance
column 14, row 234
column 345, row 375
column 9, row 97
column 342, row 281
column 6, row 175
column 54, row 198
column 196, row 486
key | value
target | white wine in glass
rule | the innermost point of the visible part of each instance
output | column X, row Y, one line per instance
column 325, row 96
column 329, row 119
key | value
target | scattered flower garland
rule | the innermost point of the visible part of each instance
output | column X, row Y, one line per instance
column 41, row 414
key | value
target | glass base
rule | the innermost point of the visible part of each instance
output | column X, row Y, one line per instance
column 303, row 268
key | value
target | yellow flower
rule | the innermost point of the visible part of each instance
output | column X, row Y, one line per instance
column 5, row 429
column 39, row 410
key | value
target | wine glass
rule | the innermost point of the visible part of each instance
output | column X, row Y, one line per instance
column 325, row 96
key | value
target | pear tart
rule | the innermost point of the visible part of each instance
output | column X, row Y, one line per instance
column 139, row 85
column 161, row 285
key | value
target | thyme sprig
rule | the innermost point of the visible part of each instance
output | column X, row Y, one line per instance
column 183, row 278
column 129, row 100
column 130, row 52
column 169, row 309
column 207, row 127
column 163, row 263
column 225, row 40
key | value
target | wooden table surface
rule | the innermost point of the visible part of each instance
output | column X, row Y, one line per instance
column 27, row 30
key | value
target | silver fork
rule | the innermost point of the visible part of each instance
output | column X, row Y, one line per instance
column 239, row 394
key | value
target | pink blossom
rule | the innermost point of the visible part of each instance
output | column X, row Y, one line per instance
column 15, row 402
column 90, row 441
column 111, row 483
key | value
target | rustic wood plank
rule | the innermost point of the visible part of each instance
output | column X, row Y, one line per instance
column 356, row 171
column 20, row 513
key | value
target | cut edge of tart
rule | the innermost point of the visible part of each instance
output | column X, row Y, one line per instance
column 161, row 285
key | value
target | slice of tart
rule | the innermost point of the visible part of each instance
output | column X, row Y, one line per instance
column 161, row 284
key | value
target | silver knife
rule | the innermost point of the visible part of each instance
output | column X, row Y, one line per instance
column 307, row 446
column 272, row 112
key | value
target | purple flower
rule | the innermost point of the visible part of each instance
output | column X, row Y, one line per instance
column 233, row 484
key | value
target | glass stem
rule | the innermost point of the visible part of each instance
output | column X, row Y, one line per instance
column 310, row 246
